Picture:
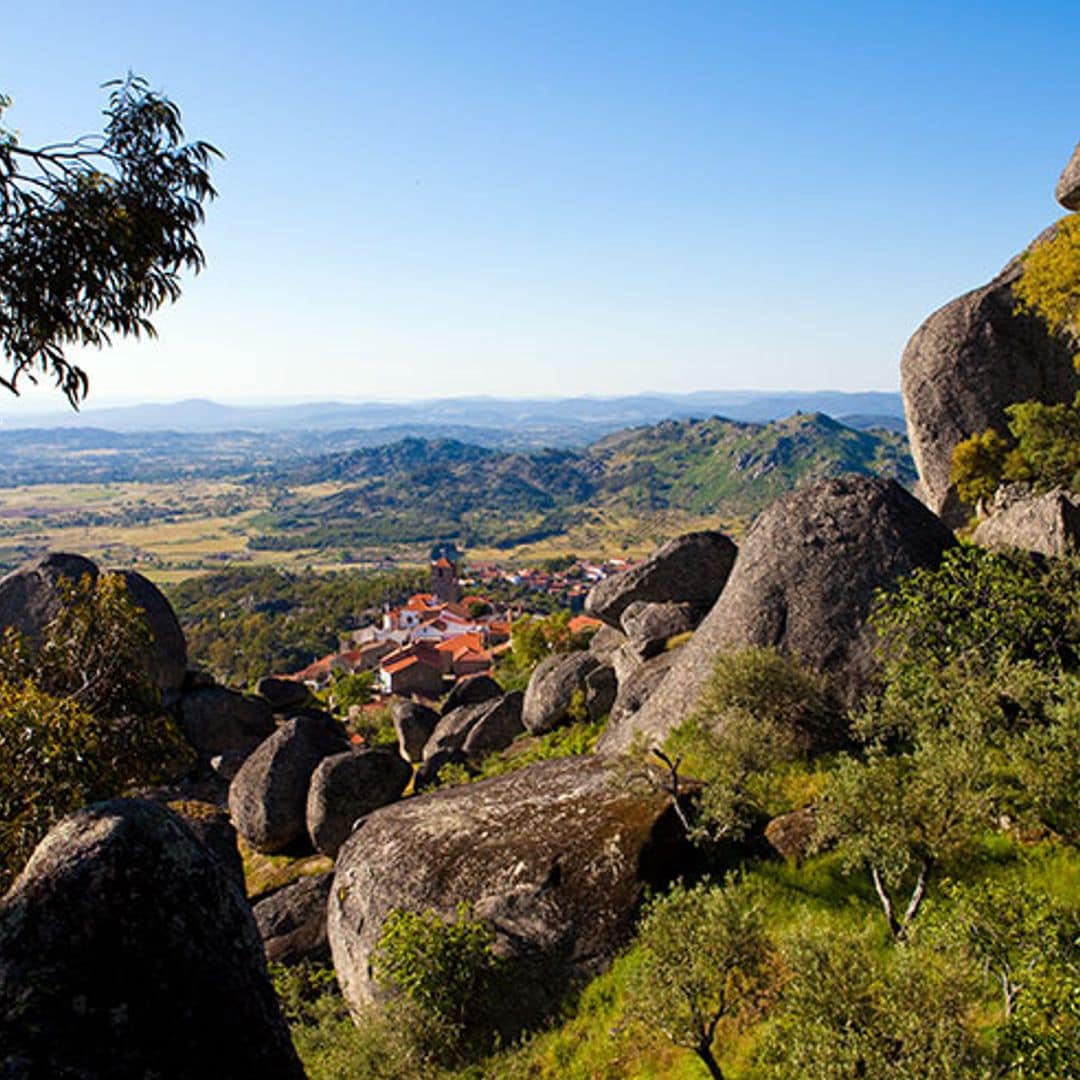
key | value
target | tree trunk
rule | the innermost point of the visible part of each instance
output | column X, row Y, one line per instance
column 704, row 1051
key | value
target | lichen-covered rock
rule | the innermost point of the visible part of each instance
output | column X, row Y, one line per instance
column 1048, row 524
column 804, row 583
column 268, row 796
column 292, row 920
column 1067, row 191
column 963, row 366
column 600, row 690
column 30, row 596
column 648, row 626
column 552, row 688
column 282, row 695
column 473, row 690
column 216, row 721
column 345, row 787
column 414, row 724
column 127, row 951
column 606, row 641
column 453, row 729
column 690, row 569
column 554, row 856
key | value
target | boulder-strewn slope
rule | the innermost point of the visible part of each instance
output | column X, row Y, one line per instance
column 803, row 582
column 126, row 950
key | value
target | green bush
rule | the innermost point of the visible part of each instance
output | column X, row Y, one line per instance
column 855, row 1009
column 442, row 971
column 750, row 738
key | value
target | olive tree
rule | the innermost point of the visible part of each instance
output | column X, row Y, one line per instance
column 95, row 232
column 702, row 955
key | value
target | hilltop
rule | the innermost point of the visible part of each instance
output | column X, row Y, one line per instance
column 418, row 489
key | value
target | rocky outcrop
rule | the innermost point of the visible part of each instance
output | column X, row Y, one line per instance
column 268, row 796
column 281, row 694
column 649, row 626
column 963, row 366
column 292, row 920
column 473, row 690
column 1067, row 191
column 552, row 688
column 1048, row 524
column 554, row 856
column 127, row 951
column 804, row 581
column 220, row 721
column 345, row 787
column 414, row 724
column 31, row 596
column 690, row 569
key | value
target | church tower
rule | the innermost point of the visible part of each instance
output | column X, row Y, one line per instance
column 445, row 559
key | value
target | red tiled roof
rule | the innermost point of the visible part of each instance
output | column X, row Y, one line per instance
column 583, row 622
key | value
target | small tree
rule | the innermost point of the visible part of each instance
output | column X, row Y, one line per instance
column 94, row 233
column 901, row 816
column 854, row 1009
column 702, row 957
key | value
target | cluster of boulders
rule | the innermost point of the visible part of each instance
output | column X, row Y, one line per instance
column 476, row 719
column 127, row 945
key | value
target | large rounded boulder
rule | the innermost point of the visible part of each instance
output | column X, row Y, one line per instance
column 268, row 796
column 555, row 857
column 127, row 950
column 963, row 366
column 217, row 720
column 562, row 683
column 345, row 787
column 690, row 569
column 31, row 595
column 803, row 583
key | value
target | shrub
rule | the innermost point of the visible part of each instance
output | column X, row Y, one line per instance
column 853, row 1008
column 758, row 718
column 440, row 969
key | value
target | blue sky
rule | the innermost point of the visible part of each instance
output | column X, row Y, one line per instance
column 433, row 199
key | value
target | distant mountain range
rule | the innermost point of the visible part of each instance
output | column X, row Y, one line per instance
column 562, row 421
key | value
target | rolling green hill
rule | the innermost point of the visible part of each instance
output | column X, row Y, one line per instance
column 417, row 489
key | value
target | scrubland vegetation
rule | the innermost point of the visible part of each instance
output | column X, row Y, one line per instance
column 930, row 927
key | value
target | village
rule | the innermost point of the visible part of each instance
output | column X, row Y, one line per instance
column 425, row 645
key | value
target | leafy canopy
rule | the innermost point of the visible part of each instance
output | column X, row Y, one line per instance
column 94, row 233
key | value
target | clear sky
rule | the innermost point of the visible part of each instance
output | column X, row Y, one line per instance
column 545, row 198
